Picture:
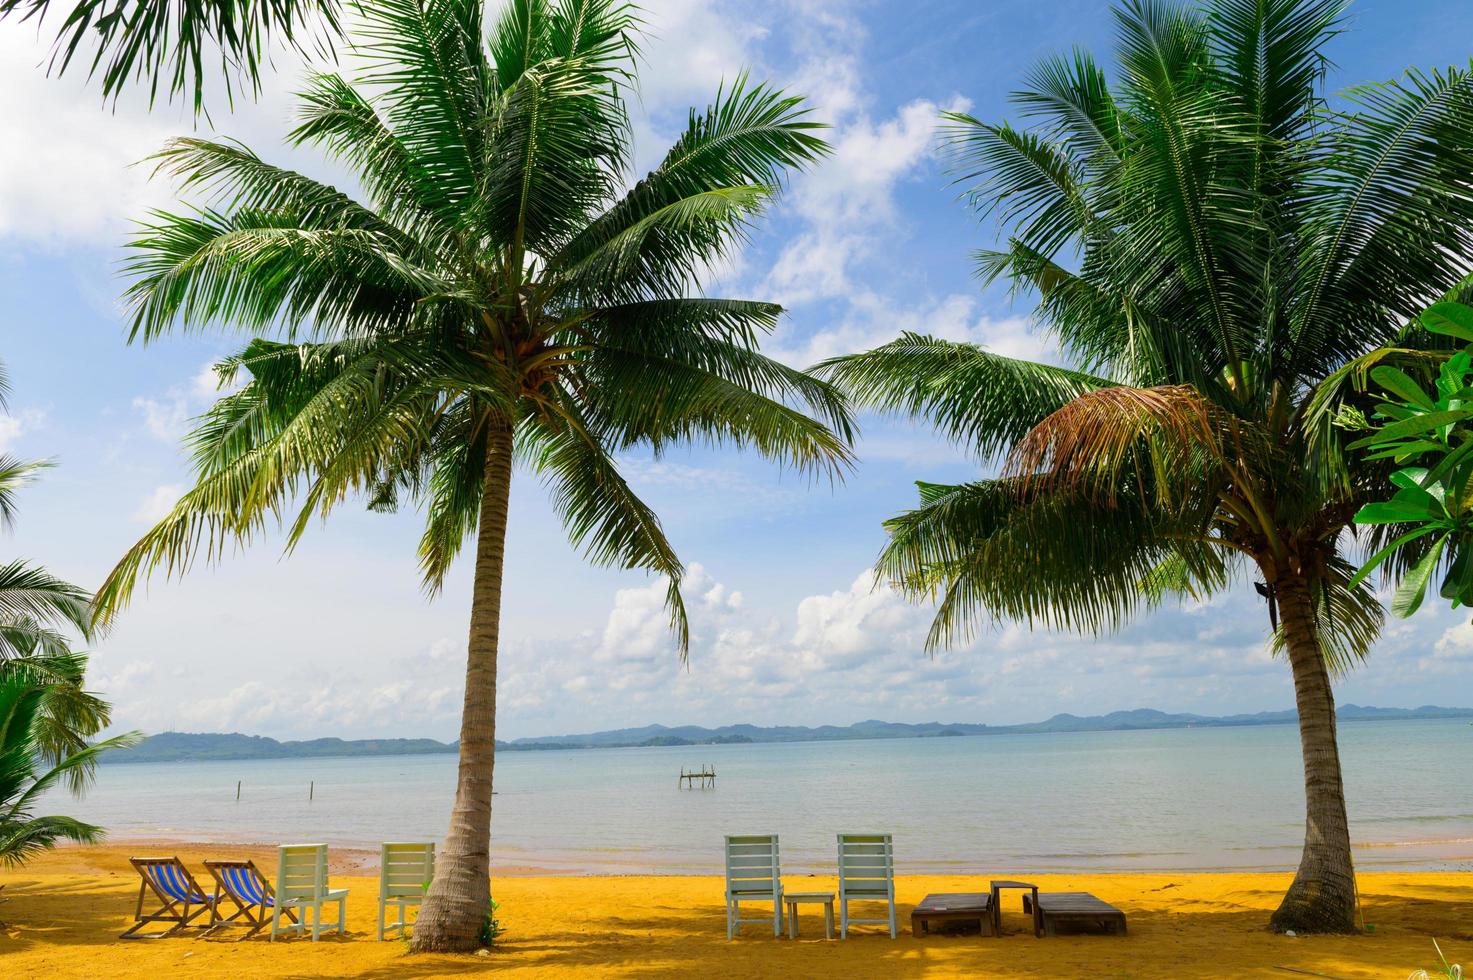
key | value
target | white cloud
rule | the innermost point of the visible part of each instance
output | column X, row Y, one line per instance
column 690, row 48
column 872, row 319
column 73, row 167
column 13, row 427
column 847, row 202
column 156, row 506
column 838, row 656
column 165, row 418
column 205, row 385
column 1452, row 653
column 66, row 163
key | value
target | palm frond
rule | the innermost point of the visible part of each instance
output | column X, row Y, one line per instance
column 168, row 44
column 15, row 474
column 746, row 139
column 976, row 398
column 1390, row 215
column 602, row 513
column 32, row 600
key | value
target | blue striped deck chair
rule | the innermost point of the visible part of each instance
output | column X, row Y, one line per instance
column 242, row 884
column 181, row 900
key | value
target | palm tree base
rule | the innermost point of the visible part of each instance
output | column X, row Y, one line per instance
column 1310, row 907
column 449, row 924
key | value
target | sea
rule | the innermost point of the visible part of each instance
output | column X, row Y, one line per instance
column 1167, row 800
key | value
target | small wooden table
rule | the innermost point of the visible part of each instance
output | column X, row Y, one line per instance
column 953, row 907
column 793, row 899
column 998, row 886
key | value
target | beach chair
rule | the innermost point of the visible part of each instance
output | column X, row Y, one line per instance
column 181, row 900
column 301, row 884
column 1076, row 911
column 404, row 873
column 866, row 874
column 241, row 884
column 752, row 875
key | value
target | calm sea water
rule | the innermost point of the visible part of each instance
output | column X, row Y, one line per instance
column 1184, row 799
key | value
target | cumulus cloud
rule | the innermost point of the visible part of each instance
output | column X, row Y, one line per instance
column 838, row 656
column 847, row 202
column 66, row 164
column 166, row 416
column 872, row 318
column 851, row 653
column 13, row 427
column 156, row 506
column 73, row 170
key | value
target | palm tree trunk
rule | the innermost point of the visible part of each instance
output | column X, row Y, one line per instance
column 459, row 899
column 1322, row 897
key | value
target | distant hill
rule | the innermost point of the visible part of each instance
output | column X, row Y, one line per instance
column 181, row 746
column 178, row 746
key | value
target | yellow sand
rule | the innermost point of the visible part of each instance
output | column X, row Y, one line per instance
column 64, row 911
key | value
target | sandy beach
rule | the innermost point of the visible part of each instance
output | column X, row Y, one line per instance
column 62, row 914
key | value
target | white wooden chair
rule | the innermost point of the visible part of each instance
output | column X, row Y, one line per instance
column 301, row 884
column 866, row 874
column 752, row 875
column 404, row 872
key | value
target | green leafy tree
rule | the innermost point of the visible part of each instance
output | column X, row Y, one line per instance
column 23, row 834
column 1212, row 244
column 1423, row 420
column 504, row 296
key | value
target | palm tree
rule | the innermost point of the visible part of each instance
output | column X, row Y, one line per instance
column 1213, row 245
column 23, row 834
column 504, row 297
column 169, row 43
column 68, row 715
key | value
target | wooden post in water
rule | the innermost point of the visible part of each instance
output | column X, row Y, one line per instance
column 706, row 774
column 237, row 790
column 311, row 790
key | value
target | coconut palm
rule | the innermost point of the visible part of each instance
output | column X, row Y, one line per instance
column 68, row 715
column 1213, row 245
column 22, row 711
column 504, row 296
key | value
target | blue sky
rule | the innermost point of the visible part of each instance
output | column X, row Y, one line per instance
column 788, row 627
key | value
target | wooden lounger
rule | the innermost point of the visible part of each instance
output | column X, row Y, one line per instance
column 949, row 907
column 1076, row 910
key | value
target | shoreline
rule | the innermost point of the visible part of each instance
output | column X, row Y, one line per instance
column 63, row 912
column 1453, row 855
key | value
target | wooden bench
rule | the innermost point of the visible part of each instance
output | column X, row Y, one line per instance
column 953, row 907
column 1076, row 909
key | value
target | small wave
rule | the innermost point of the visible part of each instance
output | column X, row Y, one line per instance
column 1430, row 842
column 1417, row 818
column 1088, row 855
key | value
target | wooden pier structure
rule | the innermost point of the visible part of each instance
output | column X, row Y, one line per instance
column 706, row 775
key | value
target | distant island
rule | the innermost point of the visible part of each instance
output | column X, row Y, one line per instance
column 186, row 746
